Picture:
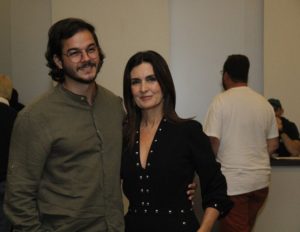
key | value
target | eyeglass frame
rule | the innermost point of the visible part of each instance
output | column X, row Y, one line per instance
column 79, row 53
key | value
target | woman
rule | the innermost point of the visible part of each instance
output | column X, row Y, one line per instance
column 162, row 153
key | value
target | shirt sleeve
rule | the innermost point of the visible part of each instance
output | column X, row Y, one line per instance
column 292, row 131
column 212, row 182
column 213, row 119
column 28, row 153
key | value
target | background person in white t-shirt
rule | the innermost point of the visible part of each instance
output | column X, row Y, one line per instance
column 242, row 128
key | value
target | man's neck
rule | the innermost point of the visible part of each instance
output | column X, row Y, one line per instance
column 87, row 90
column 237, row 84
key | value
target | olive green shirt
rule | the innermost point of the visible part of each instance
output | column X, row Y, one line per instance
column 64, row 165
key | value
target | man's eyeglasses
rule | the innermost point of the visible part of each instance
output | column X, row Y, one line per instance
column 76, row 55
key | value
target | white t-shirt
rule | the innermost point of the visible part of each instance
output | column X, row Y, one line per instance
column 242, row 120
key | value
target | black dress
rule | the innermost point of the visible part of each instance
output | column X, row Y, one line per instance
column 157, row 194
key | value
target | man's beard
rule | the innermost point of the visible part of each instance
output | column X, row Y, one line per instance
column 72, row 75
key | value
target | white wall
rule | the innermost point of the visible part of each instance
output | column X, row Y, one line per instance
column 30, row 21
column 203, row 34
column 281, row 211
column 5, row 44
column 124, row 28
column 281, row 54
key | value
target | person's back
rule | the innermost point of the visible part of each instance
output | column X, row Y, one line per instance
column 245, row 117
column 7, row 118
column 14, row 101
column 242, row 128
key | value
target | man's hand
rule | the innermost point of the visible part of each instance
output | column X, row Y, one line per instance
column 191, row 191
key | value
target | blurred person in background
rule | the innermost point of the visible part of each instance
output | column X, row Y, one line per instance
column 7, row 118
column 289, row 141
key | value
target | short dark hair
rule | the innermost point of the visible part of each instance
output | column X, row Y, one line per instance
column 237, row 66
column 60, row 31
column 275, row 103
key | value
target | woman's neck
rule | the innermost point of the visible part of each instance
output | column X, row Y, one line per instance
column 151, row 120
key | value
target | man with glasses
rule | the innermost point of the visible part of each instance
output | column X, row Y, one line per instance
column 242, row 128
column 65, row 154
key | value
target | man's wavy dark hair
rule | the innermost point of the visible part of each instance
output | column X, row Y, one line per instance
column 62, row 30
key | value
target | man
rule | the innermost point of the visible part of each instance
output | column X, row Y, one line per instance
column 242, row 128
column 64, row 165
column 7, row 118
column 289, row 143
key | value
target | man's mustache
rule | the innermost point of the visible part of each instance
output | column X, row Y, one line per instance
column 87, row 64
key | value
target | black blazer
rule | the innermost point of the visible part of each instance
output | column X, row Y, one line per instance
column 7, row 118
column 177, row 152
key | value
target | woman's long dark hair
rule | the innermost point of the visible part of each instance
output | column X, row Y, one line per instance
column 165, row 80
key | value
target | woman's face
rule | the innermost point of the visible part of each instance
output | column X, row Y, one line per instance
column 145, row 88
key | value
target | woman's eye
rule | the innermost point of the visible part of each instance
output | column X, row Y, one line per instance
column 151, row 78
column 134, row 81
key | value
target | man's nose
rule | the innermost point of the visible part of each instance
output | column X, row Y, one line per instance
column 84, row 55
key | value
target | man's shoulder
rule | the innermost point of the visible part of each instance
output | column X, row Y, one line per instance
column 287, row 121
column 40, row 105
column 104, row 94
column 104, row 91
column 289, row 125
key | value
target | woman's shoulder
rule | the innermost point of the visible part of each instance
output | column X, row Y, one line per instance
column 188, row 124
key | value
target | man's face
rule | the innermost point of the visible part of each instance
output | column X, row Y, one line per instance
column 80, row 58
column 278, row 112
